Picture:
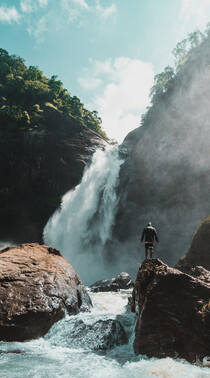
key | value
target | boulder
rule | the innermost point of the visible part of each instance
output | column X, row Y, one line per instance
column 199, row 252
column 173, row 312
column 101, row 335
column 37, row 287
column 121, row 281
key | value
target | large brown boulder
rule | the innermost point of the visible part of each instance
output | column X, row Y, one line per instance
column 199, row 252
column 173, row 312
column 37, row 287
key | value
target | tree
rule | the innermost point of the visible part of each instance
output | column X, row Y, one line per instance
column 180, row 53
column 4, row 69
column 21, row 88
column 195, row 39
column 185, row 47
column 33, row 73
column 3, row 53
column 162, row 82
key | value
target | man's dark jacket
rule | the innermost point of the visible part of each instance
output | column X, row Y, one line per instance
column 149, row 234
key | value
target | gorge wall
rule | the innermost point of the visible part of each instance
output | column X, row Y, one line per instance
column 37, row 169
column 166, row 176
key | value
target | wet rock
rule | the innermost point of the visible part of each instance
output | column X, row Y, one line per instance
column 199, row 272
column 101, row 335
column 173, row 312
column 206, row 361
column 199, row 252
column 37, row 287
column 121, row 281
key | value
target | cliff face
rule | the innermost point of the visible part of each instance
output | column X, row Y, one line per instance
column 39, row 166
column 199, row 252
column 166, row 177
column 173, row 312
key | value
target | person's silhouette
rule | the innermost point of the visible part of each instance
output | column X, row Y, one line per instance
column 149, row 235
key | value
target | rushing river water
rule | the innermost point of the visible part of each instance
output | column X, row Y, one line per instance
column 80, row 230
column 55, row 356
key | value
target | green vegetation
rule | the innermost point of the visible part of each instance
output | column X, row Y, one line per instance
column 25, row 91
column 165, row 82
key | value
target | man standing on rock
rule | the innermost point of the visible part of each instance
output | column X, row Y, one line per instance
column 149, row 235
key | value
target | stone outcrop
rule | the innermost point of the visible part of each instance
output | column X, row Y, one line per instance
column 37, row 287
column 173, row 312
column 199, row 252
column 37, row 168
column 121, row 281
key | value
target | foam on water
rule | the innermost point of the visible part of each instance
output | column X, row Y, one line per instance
column 54, row 356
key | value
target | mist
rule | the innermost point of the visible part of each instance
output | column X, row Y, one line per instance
column 166, row 177
column 81, row 228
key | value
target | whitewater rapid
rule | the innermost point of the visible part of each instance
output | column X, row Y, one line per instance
column 54, row 355
column 82, row 226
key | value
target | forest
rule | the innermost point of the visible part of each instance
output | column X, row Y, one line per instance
column 24, row 91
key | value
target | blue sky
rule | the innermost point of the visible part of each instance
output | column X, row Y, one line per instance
column 106, row 52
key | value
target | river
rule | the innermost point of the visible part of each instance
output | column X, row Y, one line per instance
column 57, row 355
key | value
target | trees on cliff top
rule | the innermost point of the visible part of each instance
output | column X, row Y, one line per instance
column 165, row 81
column 23, row 88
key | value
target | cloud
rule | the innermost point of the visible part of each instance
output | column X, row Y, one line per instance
column 93, row 77
column 26, row 6
column 105, row 12
column 36, row 19
column 89, row 84
column 9, row 14
column 36, row 23
column 123, row 92
column 29, row 6
column 73, row 8
column 81, row 3
column 43, row 3
column 38, row 29
column 196, row 14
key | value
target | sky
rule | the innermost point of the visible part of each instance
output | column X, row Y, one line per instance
column 106, row 52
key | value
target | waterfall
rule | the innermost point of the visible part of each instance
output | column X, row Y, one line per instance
column 83, row 224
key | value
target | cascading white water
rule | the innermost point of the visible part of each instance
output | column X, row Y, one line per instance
column 56, row 356
column 83, row 224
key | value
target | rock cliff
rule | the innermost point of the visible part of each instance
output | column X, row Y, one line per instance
column 199, row 252
column 166, row 176
column 38, row 286
column 173, row 312
column 37, row 168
